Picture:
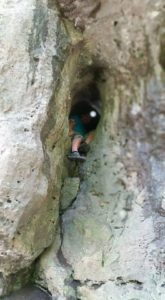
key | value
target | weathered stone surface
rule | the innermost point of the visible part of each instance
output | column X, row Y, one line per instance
column 54, row 272
column 33, row 42
column 111, row 243
column 79, row 12
column 69, row 191
column 113, row 235
column 111, row 291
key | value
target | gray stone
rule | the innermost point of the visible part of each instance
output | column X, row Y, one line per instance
column 69, row 191
column 111, row 241
column 54, row 272
column 113, row 233
column 30, row 188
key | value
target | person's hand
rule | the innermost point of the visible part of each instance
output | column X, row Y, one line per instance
column 71, row 125
column 90, row 137
column 70, row 132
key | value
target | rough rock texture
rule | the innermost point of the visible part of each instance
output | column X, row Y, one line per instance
column 79, row 12
column 113, row 235
column 54, row 272
column 110, row 244
column 69, row 191
column 33, row 130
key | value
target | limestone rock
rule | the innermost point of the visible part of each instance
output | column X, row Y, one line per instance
column 54, row 272
column 80, row 12
column 113, row 234
column 111, row 291
column 31, row 58
column 69, row 191
column 111, row 241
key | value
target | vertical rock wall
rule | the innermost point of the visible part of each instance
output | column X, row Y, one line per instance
column 33, row 130
column 112, row 243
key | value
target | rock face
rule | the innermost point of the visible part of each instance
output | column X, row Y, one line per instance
column 33, row 43
column 113, row 235
column 69, row 191
column 110, row 242
column 79, row 12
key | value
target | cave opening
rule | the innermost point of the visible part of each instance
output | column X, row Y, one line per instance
column 84, row 117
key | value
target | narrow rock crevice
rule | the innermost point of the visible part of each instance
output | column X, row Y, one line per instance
column 98, row 225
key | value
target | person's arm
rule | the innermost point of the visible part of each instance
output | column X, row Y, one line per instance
column 71, row 125
column 90, row 137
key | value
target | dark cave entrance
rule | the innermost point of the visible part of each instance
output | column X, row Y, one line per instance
column 85, row 115
column 87, row 101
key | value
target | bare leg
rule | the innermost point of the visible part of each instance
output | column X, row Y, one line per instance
column 75, row 155
column 76, row 143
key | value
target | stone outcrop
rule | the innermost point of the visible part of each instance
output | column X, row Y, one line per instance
column 110, row 240
column 113, row 234
column 69, row 191
column 79, row 12
column 33, row 129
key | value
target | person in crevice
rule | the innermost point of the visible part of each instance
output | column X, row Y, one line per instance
column 81, row 129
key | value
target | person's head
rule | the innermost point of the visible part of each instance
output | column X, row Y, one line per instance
column 87, row 117
column 93, row 114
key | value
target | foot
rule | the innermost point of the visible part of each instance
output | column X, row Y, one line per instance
column 84, row 148
column 76, row 156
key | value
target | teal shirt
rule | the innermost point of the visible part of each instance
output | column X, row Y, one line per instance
column 78, row 127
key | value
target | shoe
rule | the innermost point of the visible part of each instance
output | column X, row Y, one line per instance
column 76, row 156
column 84, row 148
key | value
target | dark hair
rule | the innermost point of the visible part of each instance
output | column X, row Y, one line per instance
column 84, row 108
column 81, row 108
